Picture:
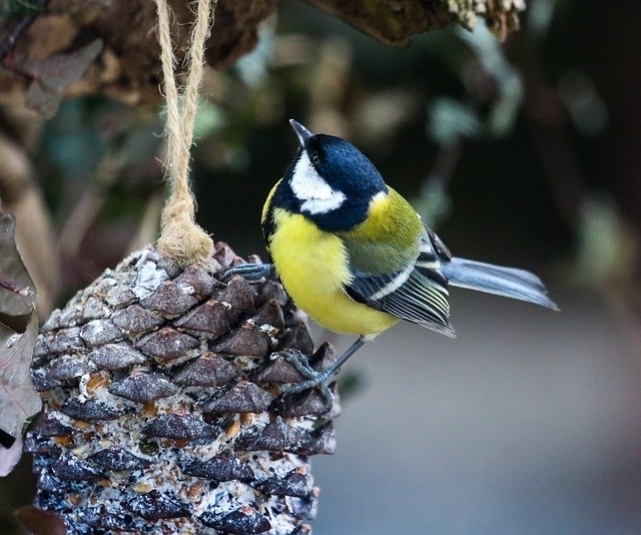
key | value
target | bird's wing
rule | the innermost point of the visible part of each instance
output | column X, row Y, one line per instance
column 416, row 293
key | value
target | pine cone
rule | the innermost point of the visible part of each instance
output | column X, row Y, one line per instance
column 164, row 409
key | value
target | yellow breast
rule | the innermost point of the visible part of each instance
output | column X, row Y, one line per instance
column 312, row 266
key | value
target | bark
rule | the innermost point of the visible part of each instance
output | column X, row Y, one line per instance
column 127, row 66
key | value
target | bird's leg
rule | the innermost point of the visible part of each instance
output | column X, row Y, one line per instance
column 323, row 377
column 251, row 272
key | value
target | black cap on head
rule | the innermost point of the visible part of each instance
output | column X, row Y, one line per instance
column 331, row 182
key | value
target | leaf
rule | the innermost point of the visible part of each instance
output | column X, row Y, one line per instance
column 9, row 456
column 40, row 522
column 17, row 292
column 18, row 332
column 18, row 399
column 52, row 77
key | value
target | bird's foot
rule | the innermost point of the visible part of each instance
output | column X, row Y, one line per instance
column 320, row 378
column 313, row 378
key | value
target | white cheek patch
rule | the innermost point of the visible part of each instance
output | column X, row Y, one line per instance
column 316, row 194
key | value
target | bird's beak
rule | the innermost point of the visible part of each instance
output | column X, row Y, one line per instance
column 301, row 132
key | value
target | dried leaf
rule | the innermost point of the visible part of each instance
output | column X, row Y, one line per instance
column 52, row 77
column 10, row 456
column 18, row 333
column 17, row 292
column 40, row 522
column 18, row 398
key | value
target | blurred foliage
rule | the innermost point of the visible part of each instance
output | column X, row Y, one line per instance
column 606, row 246
column 446, row 121
column 18, row 7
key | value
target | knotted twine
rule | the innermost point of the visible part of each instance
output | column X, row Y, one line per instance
column 180, row 237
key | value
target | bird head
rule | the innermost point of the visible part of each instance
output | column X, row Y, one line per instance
column 330, row 181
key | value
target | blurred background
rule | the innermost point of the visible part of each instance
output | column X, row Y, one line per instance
column 524, row 153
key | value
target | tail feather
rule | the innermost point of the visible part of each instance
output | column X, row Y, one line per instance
column 507, row 282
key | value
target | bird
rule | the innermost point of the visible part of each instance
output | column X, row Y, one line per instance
column 356, row 257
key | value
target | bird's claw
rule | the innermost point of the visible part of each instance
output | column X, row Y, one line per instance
column 313, row 378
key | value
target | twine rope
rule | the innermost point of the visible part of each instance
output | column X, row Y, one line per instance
column 180, row 237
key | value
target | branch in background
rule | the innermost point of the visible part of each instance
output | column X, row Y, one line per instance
column 548, row 123
column 129, row 67
column 393, row 22
column 13, row 32
column 86, row 209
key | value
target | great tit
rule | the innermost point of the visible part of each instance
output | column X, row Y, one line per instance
column 357, row 258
